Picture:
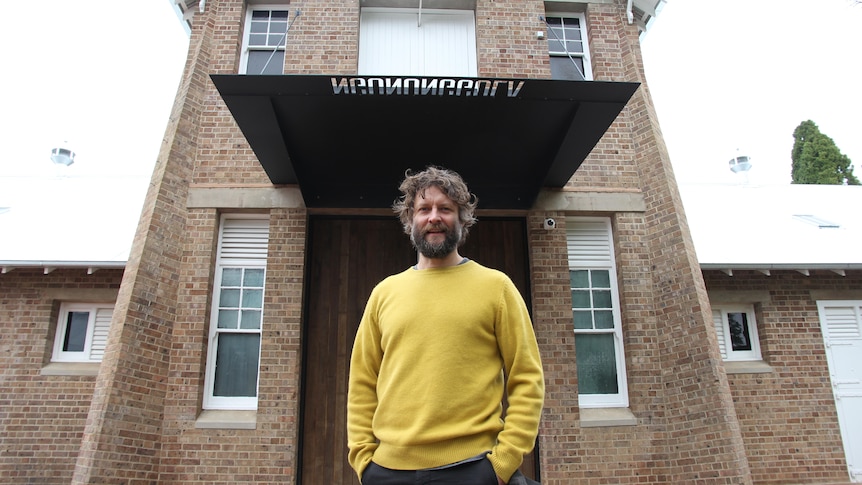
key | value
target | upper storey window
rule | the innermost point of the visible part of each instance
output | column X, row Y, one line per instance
column 568, row 47
column 265, row 36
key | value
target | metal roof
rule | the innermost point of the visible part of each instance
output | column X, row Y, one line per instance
column 759, row 227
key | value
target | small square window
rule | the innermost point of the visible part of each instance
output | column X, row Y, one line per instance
column 736, row 330
column 82, row 332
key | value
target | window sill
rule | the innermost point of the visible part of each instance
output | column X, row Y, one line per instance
column 747, row 367
column 605, row 417
column 226, row 419
column 70, row 369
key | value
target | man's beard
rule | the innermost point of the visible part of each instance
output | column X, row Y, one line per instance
column 436, row 250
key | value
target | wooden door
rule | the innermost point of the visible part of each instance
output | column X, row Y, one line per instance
column 347, row 257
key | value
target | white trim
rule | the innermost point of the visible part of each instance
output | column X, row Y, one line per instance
column 721, row 322
column 246, row 31
column 590, row 246
column 585, row 41
column 98, row 325
column 242, row 243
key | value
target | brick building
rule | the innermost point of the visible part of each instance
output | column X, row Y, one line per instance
column 266, row 225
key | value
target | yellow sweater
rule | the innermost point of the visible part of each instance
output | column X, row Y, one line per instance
column 426, row 373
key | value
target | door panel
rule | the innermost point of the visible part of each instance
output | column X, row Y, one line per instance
column 347, row 257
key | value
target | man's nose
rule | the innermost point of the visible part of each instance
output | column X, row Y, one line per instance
column 434, row 215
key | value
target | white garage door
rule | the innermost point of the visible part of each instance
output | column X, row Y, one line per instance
column 841, row 322
column 407, row 42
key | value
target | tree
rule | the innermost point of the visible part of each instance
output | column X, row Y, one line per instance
column 817, row 160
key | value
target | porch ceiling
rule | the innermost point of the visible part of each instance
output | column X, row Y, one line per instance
column 346, row 141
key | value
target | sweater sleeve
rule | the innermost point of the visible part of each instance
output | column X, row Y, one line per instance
column 361, row 394
column 525, row 385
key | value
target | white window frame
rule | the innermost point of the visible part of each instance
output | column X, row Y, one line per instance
column 721, row 323
column 591, row 247
column 245, row 247
column 244, row 57
column 585, row 55
column 98, row 324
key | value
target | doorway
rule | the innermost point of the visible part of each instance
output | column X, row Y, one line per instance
column 347, row 258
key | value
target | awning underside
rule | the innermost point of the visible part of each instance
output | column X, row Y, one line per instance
column 348, row 145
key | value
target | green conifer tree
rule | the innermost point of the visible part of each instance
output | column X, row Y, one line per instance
column 817, row 160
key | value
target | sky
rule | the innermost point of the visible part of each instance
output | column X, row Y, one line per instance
column 731, row 77
column 738, row 76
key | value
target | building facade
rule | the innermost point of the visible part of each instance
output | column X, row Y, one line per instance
column 266, row 225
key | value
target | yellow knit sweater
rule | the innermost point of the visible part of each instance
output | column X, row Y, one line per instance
column 426, row 373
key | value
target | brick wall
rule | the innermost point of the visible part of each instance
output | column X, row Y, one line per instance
column 788, row 416
column 42, row 416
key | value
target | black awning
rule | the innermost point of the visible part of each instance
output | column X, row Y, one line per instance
column 347, row 140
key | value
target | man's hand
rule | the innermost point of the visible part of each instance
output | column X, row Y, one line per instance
column 500, row 481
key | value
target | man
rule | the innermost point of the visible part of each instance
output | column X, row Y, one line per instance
column 428, row 363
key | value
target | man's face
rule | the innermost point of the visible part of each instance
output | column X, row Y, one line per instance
column 436, row 229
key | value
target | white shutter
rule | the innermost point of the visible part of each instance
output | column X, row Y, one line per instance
column 589, row 243
column 841, row 322
column 100, row 333
column 718, row 322
column 393, row 42
column 243, row 241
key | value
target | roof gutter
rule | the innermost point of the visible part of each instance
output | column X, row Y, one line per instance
column 49, row 266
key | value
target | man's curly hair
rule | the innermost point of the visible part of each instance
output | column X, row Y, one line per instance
column 449, row 182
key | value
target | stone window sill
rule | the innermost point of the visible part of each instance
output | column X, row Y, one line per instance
column 70, row 369
column 747, row 367
column 605, row 417
column 226, row 419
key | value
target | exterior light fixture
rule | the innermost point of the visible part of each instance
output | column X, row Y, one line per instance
column 63, row 156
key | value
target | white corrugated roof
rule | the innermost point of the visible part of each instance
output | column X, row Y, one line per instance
column 753, row 226
column 68, row 221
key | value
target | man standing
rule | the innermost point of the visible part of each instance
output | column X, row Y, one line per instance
column 438, row 346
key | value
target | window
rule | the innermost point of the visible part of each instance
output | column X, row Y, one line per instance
column 736, row 329
column 596, row 314
column 568, row 47
column 82, row 332
column 266, row 30
column 237, row 314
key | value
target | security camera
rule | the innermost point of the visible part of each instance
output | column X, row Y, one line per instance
column 550, row 224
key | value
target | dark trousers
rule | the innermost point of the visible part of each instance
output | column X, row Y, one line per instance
column 479, row 472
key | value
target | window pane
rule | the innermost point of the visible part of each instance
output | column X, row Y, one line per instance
column 260, row 15
column 257, row 60
column 231, row 277
column 601, row 278
column 236, row 365
column 279, row 15
column 579, row 279
column 275, row 40
column 604, row 319
column 574, row 46
column 253, row 277
column 580, row 299
column 597, row 365
column 562, row 67
column 554, row 44
column 229, row 298
column 76, row 331
column 602, row 299
column 250, row 319
column 583, row 320
column 252, row 299
column 227, row 318
column 740, row 339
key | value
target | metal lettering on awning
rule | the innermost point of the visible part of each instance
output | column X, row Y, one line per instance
column 346, row 141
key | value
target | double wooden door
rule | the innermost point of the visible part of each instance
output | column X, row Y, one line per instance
column 347, row 258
